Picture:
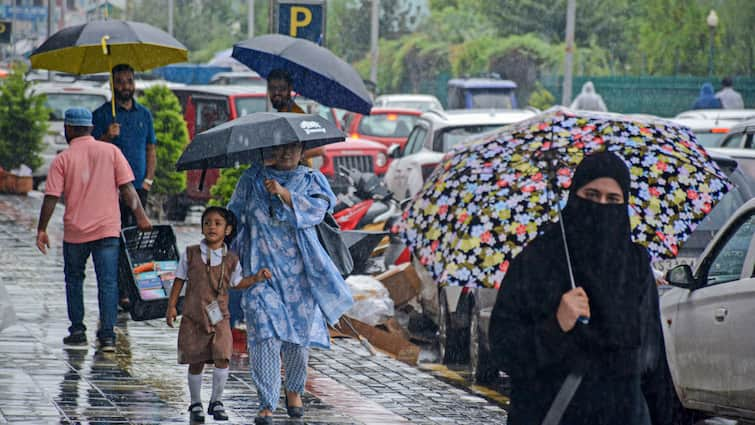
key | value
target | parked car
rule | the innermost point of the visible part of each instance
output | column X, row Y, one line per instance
column 719, row 114
column 242, row 78
column 61, row 96
column 422, row 102
column 361, row 154
column 463, row 314
column 745, row 158
column 708, row 131
column 708, row 320
column 434, row 134
column 388, row 126
column 741, row 135
column 476, row 93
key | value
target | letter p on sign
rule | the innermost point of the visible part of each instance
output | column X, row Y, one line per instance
column 300, row 17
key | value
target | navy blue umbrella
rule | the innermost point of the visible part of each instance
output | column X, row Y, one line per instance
column 316, row 72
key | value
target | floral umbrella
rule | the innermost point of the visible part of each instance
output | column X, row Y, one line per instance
column 490, row 197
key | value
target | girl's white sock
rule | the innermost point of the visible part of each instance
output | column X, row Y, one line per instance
column 219, row 376
column 195, row 388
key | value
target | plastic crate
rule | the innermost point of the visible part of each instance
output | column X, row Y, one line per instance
column 139, row 247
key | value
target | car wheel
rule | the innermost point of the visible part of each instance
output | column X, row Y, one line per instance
column 481, row 366
column 451, row 342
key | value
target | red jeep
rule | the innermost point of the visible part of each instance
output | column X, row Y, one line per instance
column 362, row 154
column 388, row 126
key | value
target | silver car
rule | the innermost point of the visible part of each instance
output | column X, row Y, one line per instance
column 434, row 134
column 61, row 96
column 740, row 136
column 708, row 320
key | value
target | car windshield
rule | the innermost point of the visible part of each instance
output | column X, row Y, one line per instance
column 708, row 140
column 59, row 102
column 250, row 105
column 729, row 203
column 498, row 99
column 408, row 104
column 387, row 125
column 453, row 136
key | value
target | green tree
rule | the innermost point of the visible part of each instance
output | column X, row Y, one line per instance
column 172, row 138
column 23, row 122
column 203, row 26
column 223, row 189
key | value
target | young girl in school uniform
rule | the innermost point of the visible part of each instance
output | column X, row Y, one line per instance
column 204, row 336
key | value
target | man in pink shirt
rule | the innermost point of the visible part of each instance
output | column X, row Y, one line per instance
column 90, row 174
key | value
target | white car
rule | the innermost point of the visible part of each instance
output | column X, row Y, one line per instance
column 708, row 318
column 434, row 134
column 745, row 158
column 423, row 102
column 740, row 136
column 240, row 78
column 718, row 114
column 61, row 96
column 709, row 131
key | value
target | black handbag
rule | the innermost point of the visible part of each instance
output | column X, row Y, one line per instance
column 329, row 234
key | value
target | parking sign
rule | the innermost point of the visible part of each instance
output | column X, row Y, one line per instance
column 5, row 31
column 301, row 19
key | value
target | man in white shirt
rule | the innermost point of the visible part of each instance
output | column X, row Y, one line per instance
column 730, row 98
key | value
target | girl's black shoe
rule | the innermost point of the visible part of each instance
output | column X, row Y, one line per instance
column 217, row 411
column 196, row 414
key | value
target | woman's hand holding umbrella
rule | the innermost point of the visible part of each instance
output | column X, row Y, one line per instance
column 278, row 190
column 574, row 305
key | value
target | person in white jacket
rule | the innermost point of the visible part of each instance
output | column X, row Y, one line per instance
column 589, row 100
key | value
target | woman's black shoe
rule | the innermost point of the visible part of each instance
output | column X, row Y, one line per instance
column 217, row 411
column 196, row 414
column 294, row 412
column 263, row 420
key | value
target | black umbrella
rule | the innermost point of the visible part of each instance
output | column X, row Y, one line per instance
column 245, row 139
column 316, row 72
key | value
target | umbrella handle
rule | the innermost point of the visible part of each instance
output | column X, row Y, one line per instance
column 106, row 52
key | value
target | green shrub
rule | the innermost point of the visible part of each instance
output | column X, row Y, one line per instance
column 223, row 189
column 23, row 122
column 172, row 138
column 541, row 98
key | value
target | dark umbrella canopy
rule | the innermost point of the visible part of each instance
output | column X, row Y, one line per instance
column 316, row 72
column 243, row 140
column 78, row 49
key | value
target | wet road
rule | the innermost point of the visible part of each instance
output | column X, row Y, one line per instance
column 43, row 382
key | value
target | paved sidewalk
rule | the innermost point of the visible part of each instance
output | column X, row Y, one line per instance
column 43, row 382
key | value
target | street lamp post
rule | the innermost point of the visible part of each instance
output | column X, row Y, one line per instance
column 712, row 21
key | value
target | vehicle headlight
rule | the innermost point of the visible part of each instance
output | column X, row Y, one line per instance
column 381, row 159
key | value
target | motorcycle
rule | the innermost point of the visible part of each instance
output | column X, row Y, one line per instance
column 361, row 214
column 396, row 253
column 367, row 205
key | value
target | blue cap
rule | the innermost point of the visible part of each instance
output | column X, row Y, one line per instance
column 79, row 117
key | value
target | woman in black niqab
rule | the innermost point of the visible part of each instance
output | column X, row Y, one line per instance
column 533, row 347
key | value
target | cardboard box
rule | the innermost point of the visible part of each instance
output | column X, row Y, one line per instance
column 402, row 283
column 391, row 342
